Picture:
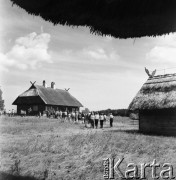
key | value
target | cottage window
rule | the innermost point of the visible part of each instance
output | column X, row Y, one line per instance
column 35, row 108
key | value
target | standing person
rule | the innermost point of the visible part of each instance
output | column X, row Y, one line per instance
column 5, row 112
column 96, row 119
column 105, row 118
column 83, row 118
column 9, row 112
column 49, row 113
column 40, row 114
column 88, row 118
column 69, row 116
column 76, row 116
column 54, row 114
column 79, row 117
column 24, row 113
column 60, row 114
column 111, row 120
column 13, row 112
column 29, row 111
column 92, row 117
column 73, row 116
column 46, row 113
column 65, row 115
column 101, row 120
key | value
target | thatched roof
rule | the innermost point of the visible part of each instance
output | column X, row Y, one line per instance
column 158, row 92
column 37, row 94
column 118, row 18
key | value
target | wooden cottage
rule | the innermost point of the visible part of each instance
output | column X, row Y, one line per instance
column 156, row 104
column 40, row 98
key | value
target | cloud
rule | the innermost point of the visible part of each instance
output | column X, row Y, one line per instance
column 163, row 55
column 101, row 54
column 28, row 52
column 164, row 52
column 89, row 55
column 95, row 58
column 98, row 53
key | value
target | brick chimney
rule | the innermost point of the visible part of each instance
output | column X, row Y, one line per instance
column 44, row 84
column 53, row 85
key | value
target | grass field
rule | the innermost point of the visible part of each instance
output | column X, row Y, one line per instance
column 33, row 148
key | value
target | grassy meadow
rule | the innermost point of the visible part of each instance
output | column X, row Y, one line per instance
column 40, row 148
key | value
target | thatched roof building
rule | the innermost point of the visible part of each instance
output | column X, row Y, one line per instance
column 41, row 98
column 156, row 103
column 118, row 18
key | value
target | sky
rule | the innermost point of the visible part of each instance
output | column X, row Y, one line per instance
column 101, row 72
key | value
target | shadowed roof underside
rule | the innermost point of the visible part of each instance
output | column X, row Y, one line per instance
column 49, row 96
column 158, row 92
column 118, row 18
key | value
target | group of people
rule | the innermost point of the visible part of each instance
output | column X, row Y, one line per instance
column 94, row 118
column 10, row 113
column 66, row 115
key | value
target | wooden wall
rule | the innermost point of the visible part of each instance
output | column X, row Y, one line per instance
column 36, row 108
column 161, row 122
column 40, row 108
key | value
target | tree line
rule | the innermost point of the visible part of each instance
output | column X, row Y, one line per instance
column 116, row 112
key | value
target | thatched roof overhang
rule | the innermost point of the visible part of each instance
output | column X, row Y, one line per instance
column 117, row 18
column 158, row 92
column 28, row 100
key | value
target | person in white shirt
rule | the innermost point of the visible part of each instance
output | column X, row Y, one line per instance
column 96, row 120
column 65, row 115
column 105, row 118
column 60, row 114
column 9, row 113
column 111, row 119
column 73, row 116
column 101, row 120
column 69, row 116
column 92, row 117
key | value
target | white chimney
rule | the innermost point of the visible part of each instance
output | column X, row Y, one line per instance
column 44, row 84
column 53, row 85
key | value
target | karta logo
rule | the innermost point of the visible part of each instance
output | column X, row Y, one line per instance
column 113, row 170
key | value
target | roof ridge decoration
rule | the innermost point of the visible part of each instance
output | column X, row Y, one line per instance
column 156, row 93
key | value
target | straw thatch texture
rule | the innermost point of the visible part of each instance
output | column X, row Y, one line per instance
column 158, row 92
column 118, row 18
column 40, row 95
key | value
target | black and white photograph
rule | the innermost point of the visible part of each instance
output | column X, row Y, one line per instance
column 87, row 89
